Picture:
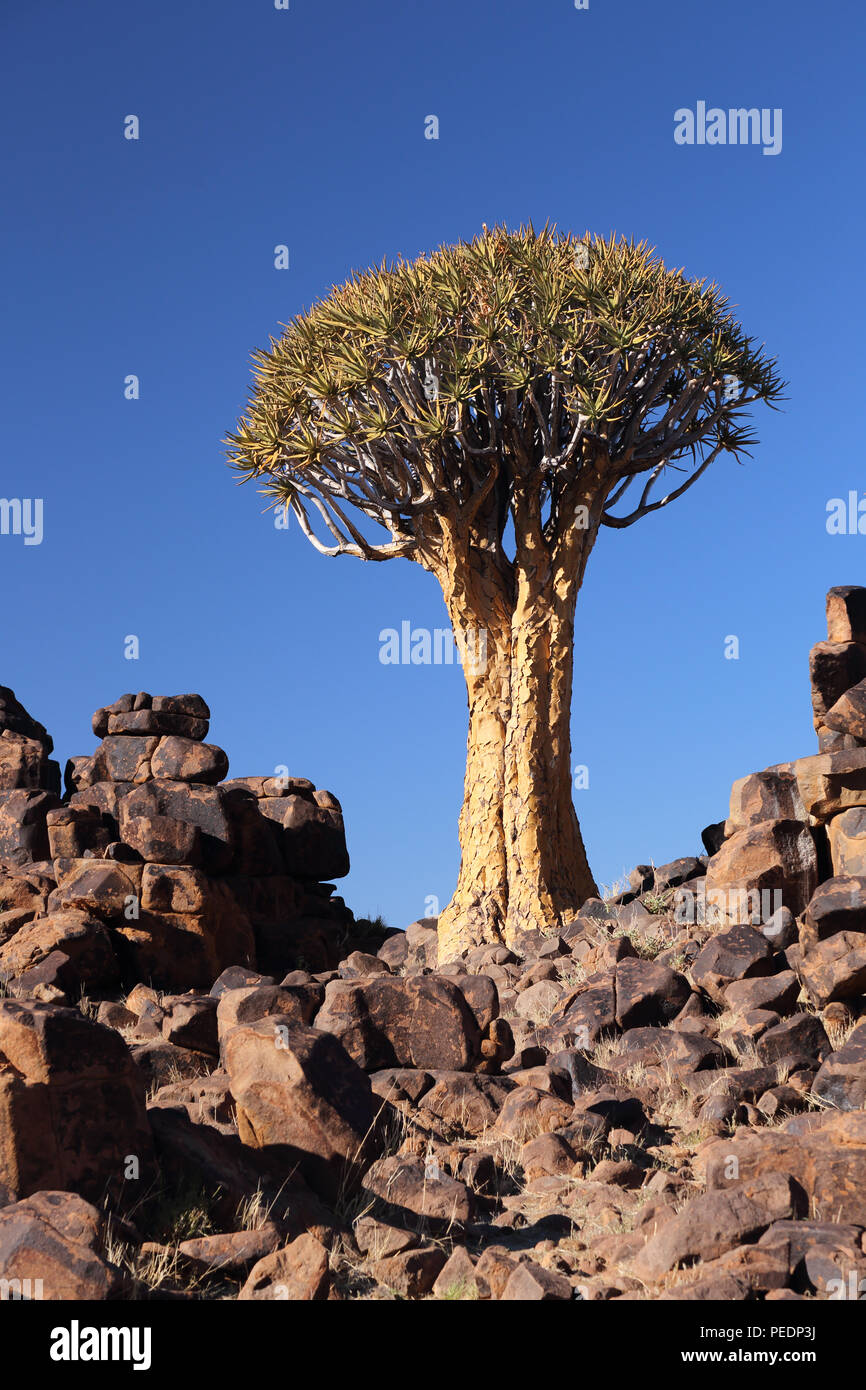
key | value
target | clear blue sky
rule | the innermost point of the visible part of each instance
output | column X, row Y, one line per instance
column 306, row 127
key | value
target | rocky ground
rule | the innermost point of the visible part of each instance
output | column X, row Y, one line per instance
column 216, row 1084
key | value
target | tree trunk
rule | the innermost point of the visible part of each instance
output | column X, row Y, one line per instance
column 523, row 863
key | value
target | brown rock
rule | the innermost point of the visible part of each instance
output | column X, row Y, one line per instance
column 413, row 1273
column 23, row 829
column 648, row 993
column 841, row 1081
column 186, row 760
column 233, row 1252
column 832, row 782
column 411, row 1188
column 421, row 1022
column 716, row 1222
column 529, row 1282
column 298, row 1274
column 67, row 949
column 827, row 1160
column 835, row 968
column 736, row 953
column 298, row 1089
column 774, row 857
column 72, row 1109
column 846, row 613
column 49, row 1249
column 776, row 992
column 839, row 904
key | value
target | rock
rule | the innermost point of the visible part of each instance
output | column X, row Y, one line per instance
column 831, row 783
column 826, row 1160
column 298, row 1274
column 529, row 1282
column 761, row 868
column 798, row 1041
column 99, row 886
column 298, row 1089
column 458, row 1281
column 735, row 953
column 848, row 715
column 713, row 837
column 422, row 944
column 847, row 836
column 547, row 1155
column 528, row 1112
column 841, row 1080
column 538, row 1001
column 648, row 993
column 300, row 1003
column 407, row 1188
column 839, row 904
column 835, row 968
column 161, row 1062
column 834, row 667
column 186, row 760
column 187, row 950
column 200, row 808
column 771, row 795
column 50, row 1246
column 191, row 1021
column 394, row 951
column 413, row 1273
column 67, row 949
column 846, row 613
column 421, row 1022
column 233, row 1252
column 23, row 763
column 72, row 1106
column 313, row 838
column 466, row 1101
column 586, row 1017
column 23, row 828
column 776, row 992
column 716, row 1222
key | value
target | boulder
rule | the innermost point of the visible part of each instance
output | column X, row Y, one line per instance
column 421, row 1022
column 187, row 760
column 760, row 868
column 826, row 1160
column 50, row 1248
column 296, row 1274
column 846, row 834
column 297, row 1089
column 834, row 969
column 841, row 1080
column 648, row 993
column 67, row 949
column 72, row 1105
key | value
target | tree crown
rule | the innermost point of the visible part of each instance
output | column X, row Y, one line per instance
column 518, row 368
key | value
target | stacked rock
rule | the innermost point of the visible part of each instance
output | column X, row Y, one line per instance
column 186, row 872
column 798, row 830
column 29, row 781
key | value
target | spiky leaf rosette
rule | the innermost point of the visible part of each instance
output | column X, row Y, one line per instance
column 523, row 362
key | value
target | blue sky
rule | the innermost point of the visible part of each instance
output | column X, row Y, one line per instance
column 305, row 127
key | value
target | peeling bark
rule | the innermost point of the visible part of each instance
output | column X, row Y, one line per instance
column 523, row 863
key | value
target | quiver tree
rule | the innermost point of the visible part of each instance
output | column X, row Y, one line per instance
column 485, row 411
